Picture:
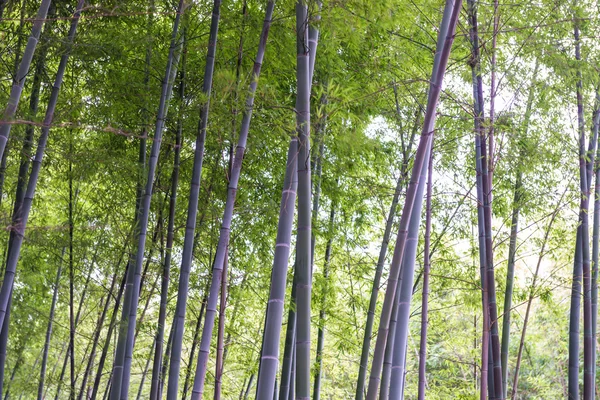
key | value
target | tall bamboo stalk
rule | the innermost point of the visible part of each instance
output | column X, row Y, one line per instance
column 5, row 127
column 386, row 374
column 199, row 379
column 366, row 344
column 13, row 103
column 445, row 39
column 425, row 298
column 158, row 349
column 595, row 239
column 581, row 270
column 221, row 331
column 124, row 354
column 111, row 326
column 192, row 211
column 96, row 337
column 406, row 284
column 270, row 347
column 286, row 369
column 303, row 244
column 21, row 217
column 322, row 311
column 532, row 290
column 40, row 394
column 195, row 340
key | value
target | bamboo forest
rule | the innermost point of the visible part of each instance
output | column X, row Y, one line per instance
column 299, row 199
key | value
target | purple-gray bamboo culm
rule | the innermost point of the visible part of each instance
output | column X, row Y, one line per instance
column 221, row 331
column 425, row 297
column 490, row 359
column 303, row 244
column 269, row 362
column 124, row 353
column 111, row 326
column 386, row 374
column 286, row 371
column 49, row 327
column 406, row 283
column 15, row 95
column 581, row 264
column 322, row 312
column 20, row 218
column 192, row 211
column 160, row 333
column 96, row 338
column 5, row 127
column 532, row 293
column 444, row 44
column 595, row 235
column 366, row 345
column 223, row 244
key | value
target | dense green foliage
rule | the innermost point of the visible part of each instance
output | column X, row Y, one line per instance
column 373, row 64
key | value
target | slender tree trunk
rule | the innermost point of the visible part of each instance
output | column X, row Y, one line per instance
column 111, row 327
column 595, row 237
column 96, row 338
column 220, row 331
column 386, row 373
column 71, row 278
column 425, row 298
column 532, row 289
column 192, row 212
column 14, row 372
column 20, row 219
column 158, row 349
column 49, row 328
column 247, row 392
column 165, row 365
column 15, row 75
column 208, row 327
column 11, row 108
column 123, row 357
column 5, row 127
column 27, row 146
column 581, row 262
column 195, row 340
column 4, row 346
column 286, row 369
column 490, row 354
column 513, row 242
column 512, row 250
column 445, row 39
column 487, row 168
column 292, row 392
column 321, row 331
column 77, row 316
column 141, row 388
